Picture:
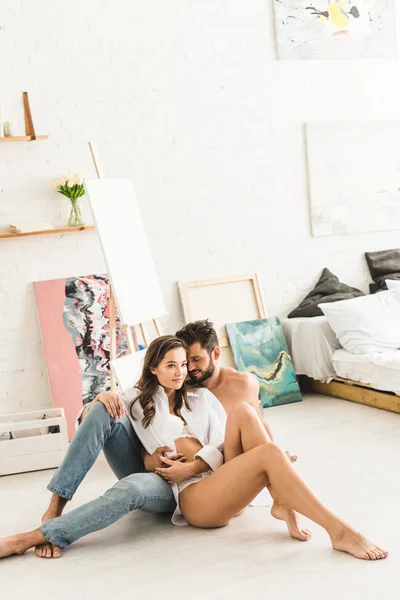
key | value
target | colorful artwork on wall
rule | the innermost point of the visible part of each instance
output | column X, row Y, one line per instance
column 354, row 176
column 260, row 348
column 335, row 29
column 74, row 320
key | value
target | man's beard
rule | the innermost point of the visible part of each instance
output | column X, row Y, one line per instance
column 203, row 375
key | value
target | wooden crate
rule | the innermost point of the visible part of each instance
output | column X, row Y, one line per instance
column 36, row 451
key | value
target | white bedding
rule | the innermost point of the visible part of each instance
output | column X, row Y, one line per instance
column 312, row 344
column 381, row 370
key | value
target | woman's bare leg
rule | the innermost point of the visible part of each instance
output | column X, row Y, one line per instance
column 244, row 431
column 207, row 503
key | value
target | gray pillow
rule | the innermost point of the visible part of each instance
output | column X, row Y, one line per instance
column 328, row 289
column 384, row 264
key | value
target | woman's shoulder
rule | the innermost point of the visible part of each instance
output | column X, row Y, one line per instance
column 201, row 393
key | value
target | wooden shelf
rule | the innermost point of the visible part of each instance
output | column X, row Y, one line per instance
column 9, row 234
column 23, row 138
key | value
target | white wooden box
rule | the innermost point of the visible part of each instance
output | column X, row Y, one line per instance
column 33, row 452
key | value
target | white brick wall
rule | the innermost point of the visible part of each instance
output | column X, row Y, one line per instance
column 188, row 100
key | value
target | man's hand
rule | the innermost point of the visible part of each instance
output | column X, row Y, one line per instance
column 113, row 403
column 153, row 461
column 175, row 471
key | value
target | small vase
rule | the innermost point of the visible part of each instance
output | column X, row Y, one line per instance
column 75, row 216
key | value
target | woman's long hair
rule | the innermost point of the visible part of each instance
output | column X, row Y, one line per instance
column 148, row 383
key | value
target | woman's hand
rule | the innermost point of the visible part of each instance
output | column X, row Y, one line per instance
column 175, row 471
column 113, row 403
column 153, row 461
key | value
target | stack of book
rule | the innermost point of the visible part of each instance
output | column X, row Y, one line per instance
column 29, row 227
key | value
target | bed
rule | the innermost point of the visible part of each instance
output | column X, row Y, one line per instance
column 324, row 366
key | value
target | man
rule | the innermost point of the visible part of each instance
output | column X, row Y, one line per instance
column 228, row 385
column 231, row 388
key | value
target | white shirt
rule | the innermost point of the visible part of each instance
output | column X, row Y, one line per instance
column 206, row 421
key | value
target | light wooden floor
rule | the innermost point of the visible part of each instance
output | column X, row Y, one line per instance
column 349, row 454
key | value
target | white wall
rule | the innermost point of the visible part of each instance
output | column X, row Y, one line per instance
column 186, row 98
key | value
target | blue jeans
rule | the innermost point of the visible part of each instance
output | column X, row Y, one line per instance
column 135, row 489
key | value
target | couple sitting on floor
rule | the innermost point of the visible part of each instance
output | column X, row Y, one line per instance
column 202, row 453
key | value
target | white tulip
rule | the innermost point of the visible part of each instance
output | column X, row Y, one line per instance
column 60, row 182
column 77, row 178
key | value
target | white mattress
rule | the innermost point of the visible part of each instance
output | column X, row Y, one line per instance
column 381, row 370
column 311, row 343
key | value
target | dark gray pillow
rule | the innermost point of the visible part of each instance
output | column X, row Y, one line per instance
column 328, row 289
column 382, row 265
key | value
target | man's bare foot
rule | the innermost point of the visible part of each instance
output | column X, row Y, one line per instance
column 49, row 550
column 291, row 518
column 291, row 457
column 348, row 540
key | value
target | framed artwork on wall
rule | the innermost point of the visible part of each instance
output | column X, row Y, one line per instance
column 307, row 29
column 353, row 171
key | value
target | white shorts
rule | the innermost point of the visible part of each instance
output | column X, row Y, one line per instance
column 194, row 479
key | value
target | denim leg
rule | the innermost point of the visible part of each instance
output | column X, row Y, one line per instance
column 98, row 430
column 146, row 491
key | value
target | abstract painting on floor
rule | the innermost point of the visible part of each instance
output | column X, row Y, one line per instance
column 354, row 176
column 307, row 29
column 74, row 320
column 260, row 348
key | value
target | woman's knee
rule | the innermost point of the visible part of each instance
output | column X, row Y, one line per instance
column 271, row 451
column 243, row 411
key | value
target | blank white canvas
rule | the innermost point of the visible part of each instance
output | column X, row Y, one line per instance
column 221, row 303
column 127, row 369
column 354, row 177
column 126, row 250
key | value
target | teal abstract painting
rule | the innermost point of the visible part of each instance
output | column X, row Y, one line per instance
column 260, row 348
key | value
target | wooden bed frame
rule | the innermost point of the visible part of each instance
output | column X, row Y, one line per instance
column 354, row 391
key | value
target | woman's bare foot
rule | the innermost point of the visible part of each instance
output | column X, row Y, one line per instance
column 291, row 518
column 348, row 540
column 49, row 550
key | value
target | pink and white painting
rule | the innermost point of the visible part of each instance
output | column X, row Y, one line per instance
column 75, row 325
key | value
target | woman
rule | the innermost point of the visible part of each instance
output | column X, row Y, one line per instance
column 208, row 492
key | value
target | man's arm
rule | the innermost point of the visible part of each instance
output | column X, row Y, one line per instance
column 154, row 461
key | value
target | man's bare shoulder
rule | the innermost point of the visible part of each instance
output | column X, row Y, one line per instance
column 241, row 380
